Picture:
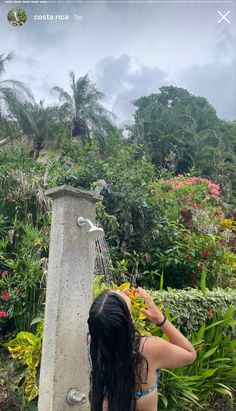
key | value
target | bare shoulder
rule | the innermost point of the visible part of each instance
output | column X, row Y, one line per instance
column 149, row 345
column 148, row 348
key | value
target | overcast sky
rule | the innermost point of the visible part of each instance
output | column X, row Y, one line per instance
column 129, row 50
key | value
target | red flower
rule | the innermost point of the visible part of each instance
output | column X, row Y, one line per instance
column 189, row 257
column 3, row 314
column 5, row 296
column 5, row 273
column 194, row 276
column 210, row 312
column 206, row 252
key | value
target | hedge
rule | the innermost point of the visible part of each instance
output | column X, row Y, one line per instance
column 190, row 309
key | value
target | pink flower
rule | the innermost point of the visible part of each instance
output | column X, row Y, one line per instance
column 5, row 273
column 177, row 185
column 5, row 296
column 3, row 314
column 215, row 192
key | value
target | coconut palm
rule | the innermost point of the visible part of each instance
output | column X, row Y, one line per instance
column 86, row 116
column 12, row 92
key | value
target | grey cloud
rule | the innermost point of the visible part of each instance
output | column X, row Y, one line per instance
column 216, row 80
column 217, row 83
column 110, row 73
column 122, row 85
column 224, row 50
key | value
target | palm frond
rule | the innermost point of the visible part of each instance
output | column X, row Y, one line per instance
column 63, row 95
column 5, row 59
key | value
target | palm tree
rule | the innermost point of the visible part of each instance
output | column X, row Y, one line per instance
column 39, row 123
column 13, row 94
column 86, row 116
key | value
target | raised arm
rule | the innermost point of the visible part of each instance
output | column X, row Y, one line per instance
column 176, row 352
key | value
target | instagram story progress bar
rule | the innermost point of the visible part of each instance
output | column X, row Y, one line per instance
column 119, row 2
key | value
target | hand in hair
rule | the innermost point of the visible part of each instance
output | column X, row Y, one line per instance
column 152, row 313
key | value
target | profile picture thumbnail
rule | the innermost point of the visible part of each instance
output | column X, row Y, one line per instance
column 17, row 17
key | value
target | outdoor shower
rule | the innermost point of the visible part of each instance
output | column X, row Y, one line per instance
column 64, row 370
column 96, row 232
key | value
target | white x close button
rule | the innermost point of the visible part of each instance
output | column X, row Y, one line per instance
column 223, row 16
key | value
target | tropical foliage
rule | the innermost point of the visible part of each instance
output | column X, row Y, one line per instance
column 180, row 131
column 167, row 211
column 86, row 116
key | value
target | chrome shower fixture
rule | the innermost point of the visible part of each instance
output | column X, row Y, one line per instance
column 94, row 231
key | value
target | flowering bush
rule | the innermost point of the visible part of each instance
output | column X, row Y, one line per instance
column 194, row 234
column 187, row 192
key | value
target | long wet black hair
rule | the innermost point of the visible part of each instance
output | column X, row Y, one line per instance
column 118, row 367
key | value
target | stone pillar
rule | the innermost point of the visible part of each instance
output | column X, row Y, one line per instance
column 64, row 362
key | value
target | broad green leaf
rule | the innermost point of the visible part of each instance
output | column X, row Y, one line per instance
column 203, row 282
column 165, row 401
column 208, row 373
column 161, row 280
column 210, row 352
column 214, row 325
column 229, row 314
column 201, row 332
column 220, row 360
column 30, row 387
column 15, row 342
column 27, row 336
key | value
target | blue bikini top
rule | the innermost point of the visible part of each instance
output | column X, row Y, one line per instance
column 139, row 394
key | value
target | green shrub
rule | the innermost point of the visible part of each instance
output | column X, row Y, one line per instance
column 23, row 263
column 27, row 347
column 191, row 309
column 211, row 378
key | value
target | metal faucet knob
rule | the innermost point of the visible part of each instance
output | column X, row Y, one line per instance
column 75, row 396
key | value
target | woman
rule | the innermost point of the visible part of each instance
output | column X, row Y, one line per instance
column 125, row 365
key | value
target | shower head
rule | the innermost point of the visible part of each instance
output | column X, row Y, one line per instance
column 95, row 232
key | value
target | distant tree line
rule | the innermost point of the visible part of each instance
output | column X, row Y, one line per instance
column 175, row 129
